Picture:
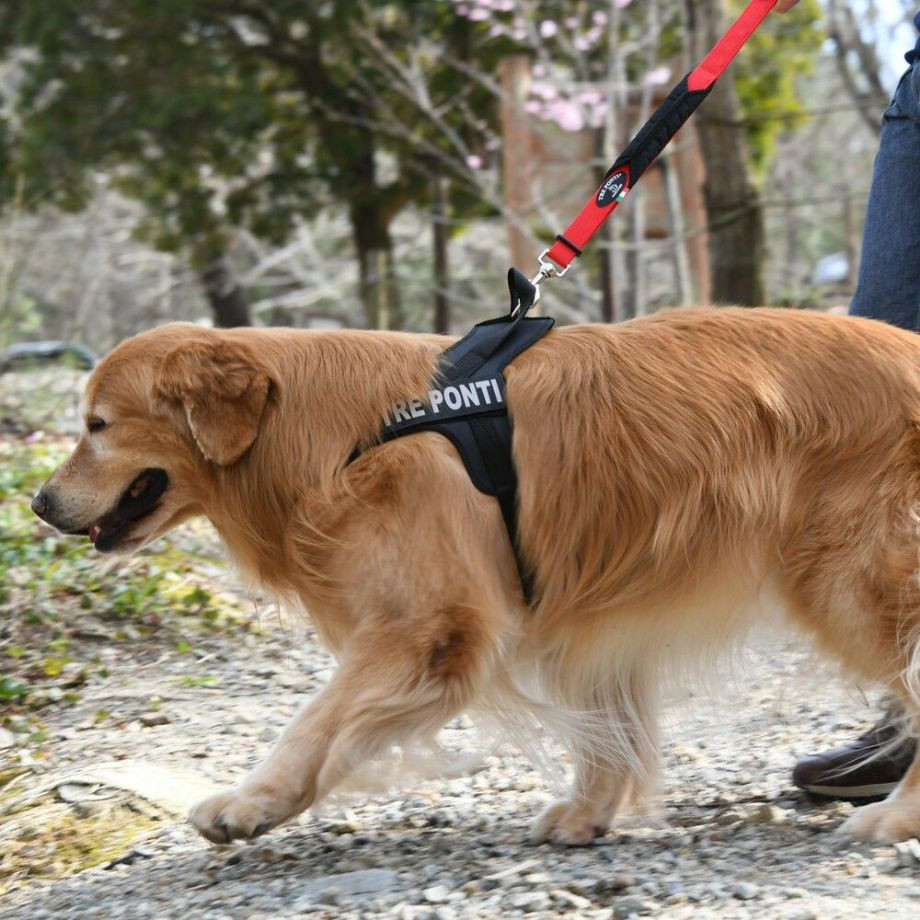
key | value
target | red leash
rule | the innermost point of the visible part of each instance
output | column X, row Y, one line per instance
column 645, row 147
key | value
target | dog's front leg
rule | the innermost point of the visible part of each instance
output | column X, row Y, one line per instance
column 400, row 678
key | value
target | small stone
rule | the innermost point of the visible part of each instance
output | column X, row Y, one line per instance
column 745, row 891
column 537, row 878
column 908, row 852
column 150, row 719
column 569, row 899
column 331, row 896
column 769, row 814
column 351, row 884
column 268, row 734
column 794, row 893
column 620, row 882
column 633, row 904
column 730, row 816
column 437, row 894
column 530, row 900
column 7, row 739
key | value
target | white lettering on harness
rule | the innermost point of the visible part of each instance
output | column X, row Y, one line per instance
column 478, row 394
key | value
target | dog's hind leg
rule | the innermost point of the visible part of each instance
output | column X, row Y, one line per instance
column 614, row 745
column 855, row 583
column 402, row 676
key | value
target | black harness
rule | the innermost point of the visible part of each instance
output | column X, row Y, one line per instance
column 467, row 405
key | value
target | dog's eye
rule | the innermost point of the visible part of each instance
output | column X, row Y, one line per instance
column 95, row 424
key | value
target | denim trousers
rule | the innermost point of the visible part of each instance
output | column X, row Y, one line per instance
column 889, row 271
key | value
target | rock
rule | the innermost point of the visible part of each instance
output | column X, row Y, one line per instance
column 768, row 814
column 530, row 901
column 350, row 884
column 729, row 816
column 633, row 904
column 150, row 719
column 745, row 891
column 7, row 739
column 569, row 899
column 908, row 852
column 437, row 894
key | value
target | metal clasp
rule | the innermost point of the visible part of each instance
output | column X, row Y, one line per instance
column 547, row 270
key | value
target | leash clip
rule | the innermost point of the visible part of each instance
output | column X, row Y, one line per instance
column 547, row 269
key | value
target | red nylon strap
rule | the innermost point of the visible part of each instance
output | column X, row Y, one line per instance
column 592, row 215
column 588, row 220
column 730, row 44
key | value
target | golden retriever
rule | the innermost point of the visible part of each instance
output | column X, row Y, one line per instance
column 670, row 469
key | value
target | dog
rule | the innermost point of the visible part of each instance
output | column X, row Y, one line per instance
column 670, row 469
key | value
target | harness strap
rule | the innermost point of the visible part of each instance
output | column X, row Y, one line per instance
column 645, row 147
column 467, row 405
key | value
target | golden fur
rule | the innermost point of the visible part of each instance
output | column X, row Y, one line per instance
column 669, row 469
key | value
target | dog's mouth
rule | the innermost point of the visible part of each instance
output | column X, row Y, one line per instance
column 140, row 499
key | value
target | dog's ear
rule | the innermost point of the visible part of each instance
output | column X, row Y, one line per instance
column 223, row 387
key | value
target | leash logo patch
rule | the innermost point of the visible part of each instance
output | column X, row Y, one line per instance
column 614, row 189
column 473, row 397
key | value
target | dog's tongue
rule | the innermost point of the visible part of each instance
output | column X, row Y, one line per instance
column 93, row 532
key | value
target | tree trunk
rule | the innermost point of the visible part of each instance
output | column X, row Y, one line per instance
column 229, row 303
column 377, row 273
column 683, row 277
column 439, row 235
column 733, row 204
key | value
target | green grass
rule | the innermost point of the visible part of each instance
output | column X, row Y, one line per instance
column 55, row 589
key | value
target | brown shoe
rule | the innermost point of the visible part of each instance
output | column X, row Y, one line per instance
column 851, row 772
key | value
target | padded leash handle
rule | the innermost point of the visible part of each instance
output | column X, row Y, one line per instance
column 654, row 136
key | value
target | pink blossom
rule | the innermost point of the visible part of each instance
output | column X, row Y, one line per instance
column 548, row 28
column 657, row 77
column 599, row 17
column 479, row 14
column 474, row 162
column 590, row 97
column 544, row 90
column 533, row 107
column 566, row 114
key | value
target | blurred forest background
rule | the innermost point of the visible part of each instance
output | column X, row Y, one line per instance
column 374, row 163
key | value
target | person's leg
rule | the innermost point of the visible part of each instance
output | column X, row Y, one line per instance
column 888, row 290
column 889, row 273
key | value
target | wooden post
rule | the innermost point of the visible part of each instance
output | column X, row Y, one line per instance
column 517, row 156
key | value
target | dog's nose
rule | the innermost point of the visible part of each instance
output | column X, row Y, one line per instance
column 40, row 504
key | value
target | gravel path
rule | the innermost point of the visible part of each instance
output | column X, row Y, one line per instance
column 732, row 838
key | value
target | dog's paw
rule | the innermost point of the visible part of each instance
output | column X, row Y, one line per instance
column 570, row 823
column 883, row 822
column 238, row 814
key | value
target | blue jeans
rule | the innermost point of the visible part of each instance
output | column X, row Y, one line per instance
column 889, row 272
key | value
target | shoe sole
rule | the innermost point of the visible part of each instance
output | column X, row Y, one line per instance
column 870, row 791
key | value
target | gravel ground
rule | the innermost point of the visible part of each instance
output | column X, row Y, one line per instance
column 731, row 838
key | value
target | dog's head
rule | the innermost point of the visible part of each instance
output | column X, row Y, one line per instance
column 163, row 414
